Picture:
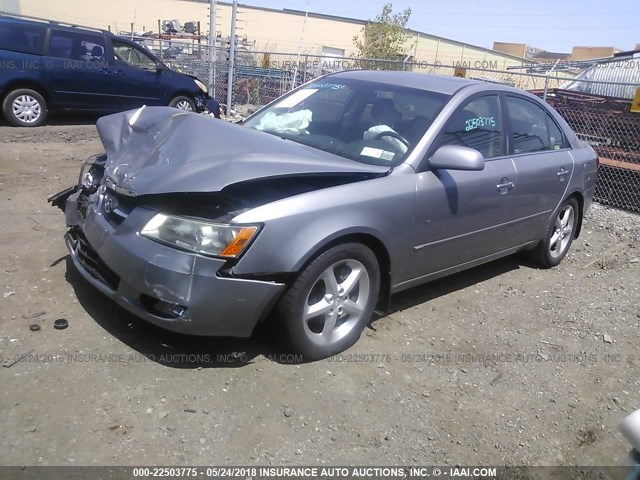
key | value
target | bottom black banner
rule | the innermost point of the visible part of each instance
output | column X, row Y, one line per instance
column 320, row 473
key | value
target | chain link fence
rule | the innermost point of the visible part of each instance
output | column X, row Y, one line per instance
column 614, row 132
column 259, row 77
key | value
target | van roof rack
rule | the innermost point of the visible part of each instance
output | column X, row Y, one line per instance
column 52, row 22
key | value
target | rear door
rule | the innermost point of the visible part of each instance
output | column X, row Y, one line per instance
column 543, row 162
column 463, row 216
column 75, row 70
column 135, row 78
column 21, row 46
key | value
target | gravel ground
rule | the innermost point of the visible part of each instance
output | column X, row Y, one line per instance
column 503, row 364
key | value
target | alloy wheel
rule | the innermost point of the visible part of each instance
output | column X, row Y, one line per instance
column 336, row 301
column 562, row 231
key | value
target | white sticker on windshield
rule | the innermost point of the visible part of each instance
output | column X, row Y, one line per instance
column 377, row 153
column 295, row 98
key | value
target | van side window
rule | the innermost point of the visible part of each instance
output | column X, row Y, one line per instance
column 127, row 53
column 22, row 38
column 76, row 46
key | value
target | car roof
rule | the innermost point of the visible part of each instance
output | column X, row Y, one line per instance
column 43, row 22
column 424, row 81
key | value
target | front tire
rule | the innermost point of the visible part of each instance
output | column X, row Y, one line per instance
column 331, row 302
column 183, row 103
column 24, row 108
column 560, row 233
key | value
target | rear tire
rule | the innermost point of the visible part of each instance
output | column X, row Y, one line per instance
column 555, row 246
column 24, row 108
column 183, row 103
column 331, row 302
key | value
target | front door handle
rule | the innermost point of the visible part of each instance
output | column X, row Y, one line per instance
column 505, row 185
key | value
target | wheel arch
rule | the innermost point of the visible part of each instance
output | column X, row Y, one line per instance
column 182, row 93
column 580, row 199
column 372, row 242
column 18, row 84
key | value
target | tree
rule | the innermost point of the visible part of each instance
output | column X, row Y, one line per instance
column 384, row 38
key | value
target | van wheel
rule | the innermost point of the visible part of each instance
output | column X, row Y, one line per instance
column 183, row 103
column 24, row 108
column 331, row 302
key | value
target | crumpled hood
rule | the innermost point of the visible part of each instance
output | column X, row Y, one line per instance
column 155, row 150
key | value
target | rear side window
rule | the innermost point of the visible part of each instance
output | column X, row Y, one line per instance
column 532, row 128
column 476, row 125
column 23, row 38
column 76, row 46
column 556, row 138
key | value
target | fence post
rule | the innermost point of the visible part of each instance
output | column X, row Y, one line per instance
column 546, row 79
column 232, row 55
column 546, row 87
column 304, row 72
column 212, row 47
column 160, row 38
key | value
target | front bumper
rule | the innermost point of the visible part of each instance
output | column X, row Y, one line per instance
column 172, row 289
column 206, row 103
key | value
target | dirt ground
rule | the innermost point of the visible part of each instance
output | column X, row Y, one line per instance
column 505, row 364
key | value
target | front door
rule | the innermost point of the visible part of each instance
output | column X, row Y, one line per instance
column 462, row 216
column 136, row 79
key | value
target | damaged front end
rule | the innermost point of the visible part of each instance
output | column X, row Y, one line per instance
column 151, row 224
column 165, row 284
column 89, row 180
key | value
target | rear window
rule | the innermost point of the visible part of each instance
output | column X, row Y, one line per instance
column 22, row 37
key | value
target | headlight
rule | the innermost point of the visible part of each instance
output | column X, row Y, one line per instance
column 201, row 85
column 199, row 236
column 91, row 174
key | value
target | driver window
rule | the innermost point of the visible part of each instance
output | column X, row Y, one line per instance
column 133, row 57
column 477, row 125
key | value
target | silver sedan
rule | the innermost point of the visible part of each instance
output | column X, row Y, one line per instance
column 320, row 206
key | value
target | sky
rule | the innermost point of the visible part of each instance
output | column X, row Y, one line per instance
column 553, row 25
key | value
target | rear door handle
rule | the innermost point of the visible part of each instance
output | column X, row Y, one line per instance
column 561, row 173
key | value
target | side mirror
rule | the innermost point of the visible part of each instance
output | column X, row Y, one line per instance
column 456, row 157
column 159, row 67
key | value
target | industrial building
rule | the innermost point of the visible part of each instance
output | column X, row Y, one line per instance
column 264, row 29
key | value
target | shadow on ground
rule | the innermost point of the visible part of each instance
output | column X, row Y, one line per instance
column 189, row 352
column 444, row 286
column 64, row 119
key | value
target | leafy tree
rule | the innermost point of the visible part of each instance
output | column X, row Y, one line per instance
column 384, row 38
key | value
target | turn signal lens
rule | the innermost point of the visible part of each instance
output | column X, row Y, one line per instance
column 239, row 242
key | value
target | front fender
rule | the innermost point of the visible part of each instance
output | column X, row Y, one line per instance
column 297, row 228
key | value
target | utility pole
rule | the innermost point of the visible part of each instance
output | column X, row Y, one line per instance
column 212, row 48
column 232, row 55
column 295, row 70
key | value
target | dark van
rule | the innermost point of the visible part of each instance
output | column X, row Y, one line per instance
column 46, row 66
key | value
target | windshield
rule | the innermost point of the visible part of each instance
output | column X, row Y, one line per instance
column 372, row 123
